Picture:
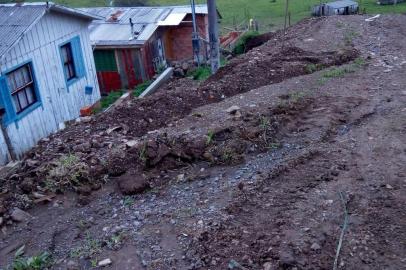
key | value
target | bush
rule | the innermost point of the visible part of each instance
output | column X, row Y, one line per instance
column 240, row 47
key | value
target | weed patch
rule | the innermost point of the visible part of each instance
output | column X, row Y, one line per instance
column 241, row 45
column 201, row 73
column 69, row 169
column 39, row 262
column 91, row 247
column 139, row 89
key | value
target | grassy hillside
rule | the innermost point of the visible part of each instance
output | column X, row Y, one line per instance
column 270, row 14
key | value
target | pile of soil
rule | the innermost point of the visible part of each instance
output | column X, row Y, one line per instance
column 98, row 144
column 263, row 179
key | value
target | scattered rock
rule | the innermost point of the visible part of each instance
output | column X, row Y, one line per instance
column 130, row 184
column 315, row 246
column 104, row 262
column 19, row 215
column 185, row 66
column 233, row 109
column 131, row 144
column 72, row 265
column 267, row 266
column 1, row 221
column 27, row 185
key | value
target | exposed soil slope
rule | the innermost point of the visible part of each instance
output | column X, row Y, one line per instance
column 251, row 180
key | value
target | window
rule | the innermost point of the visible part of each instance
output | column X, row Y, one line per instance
column 73, row 64
column 68, row 62
column 22, row 88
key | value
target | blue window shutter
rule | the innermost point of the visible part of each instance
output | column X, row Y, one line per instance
column 6, row 101
column 78, row 57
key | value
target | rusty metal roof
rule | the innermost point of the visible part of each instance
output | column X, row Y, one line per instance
column 17, row 19
column 115, row 29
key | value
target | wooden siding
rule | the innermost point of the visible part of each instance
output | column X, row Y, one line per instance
column 59, row 102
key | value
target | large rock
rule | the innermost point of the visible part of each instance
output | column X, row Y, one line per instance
column 19, row 215
column 131, row 184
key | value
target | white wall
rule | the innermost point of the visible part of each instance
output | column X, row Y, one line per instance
column 59, row 104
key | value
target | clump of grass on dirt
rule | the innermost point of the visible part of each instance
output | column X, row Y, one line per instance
column 210, row 136
column 241, row 45
column 139, row 89
column 68, row 170
column 90, row 248
column 39, row 262
column 311, row 68
column 201, row 73
column 349, row 36
column 338, row 72
column 108, row 100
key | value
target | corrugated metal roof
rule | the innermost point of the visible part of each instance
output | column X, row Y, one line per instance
column 16, row 19
column 115, row 29
column 341, row 4
column 173, row 19
column 14, row 22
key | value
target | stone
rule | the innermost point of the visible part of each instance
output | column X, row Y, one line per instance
column 104, row 262
column 315, row 246
column 185, row 66
column 27, row 185
column 72, row 265
column 19, row 215
column 267, row 266
column 130, row 184
column 233, row 109
column 1, row 221
column 178, row 72
column 131, row 144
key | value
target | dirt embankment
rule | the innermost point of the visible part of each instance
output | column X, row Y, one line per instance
column 95, row 148
column 255, row 179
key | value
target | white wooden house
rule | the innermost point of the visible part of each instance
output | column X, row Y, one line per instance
column 47, row 72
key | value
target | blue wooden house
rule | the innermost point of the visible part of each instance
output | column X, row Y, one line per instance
column 47, row 72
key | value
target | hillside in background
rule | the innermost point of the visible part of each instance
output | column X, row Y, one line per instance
column 269, row 13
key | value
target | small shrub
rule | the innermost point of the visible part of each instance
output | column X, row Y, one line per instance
column 241, row 45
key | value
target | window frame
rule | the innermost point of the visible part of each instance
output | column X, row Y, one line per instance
column 77, row 59
column 6, row 95
column 15, row 92
column 69, row 62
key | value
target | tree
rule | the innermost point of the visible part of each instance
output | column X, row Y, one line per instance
column 129, row 3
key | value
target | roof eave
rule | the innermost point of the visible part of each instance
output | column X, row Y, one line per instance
column 74, row 12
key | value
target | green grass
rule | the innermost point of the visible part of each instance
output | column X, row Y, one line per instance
column 39, row 262
column 269, row 14
column 201, row 73
column 240, row 47
column 141, row 88
column 110, row 99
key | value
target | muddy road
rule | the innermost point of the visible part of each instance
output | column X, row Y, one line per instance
column 256, row 168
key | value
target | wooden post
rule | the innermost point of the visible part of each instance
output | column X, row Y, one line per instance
column 10, row 148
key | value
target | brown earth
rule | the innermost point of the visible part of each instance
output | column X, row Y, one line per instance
column 251, row 180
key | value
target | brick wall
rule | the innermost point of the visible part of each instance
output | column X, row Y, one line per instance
column 178, row 39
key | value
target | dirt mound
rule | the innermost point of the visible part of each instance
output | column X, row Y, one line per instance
column 97, row 145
